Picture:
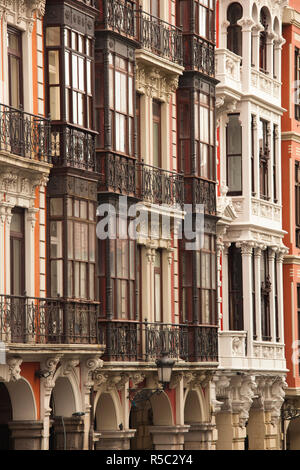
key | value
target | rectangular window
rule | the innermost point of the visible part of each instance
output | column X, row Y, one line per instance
column 297, row 202
column 156, row 130
column 253, row 295
column 252, row 156
column 298, row 317
column 17, row 252
column 264, row 155
column 297, row 80
column 275, row 131
column 205, row 19
column 234, row 155
column 235, row 288
column 204, row 134
column 158, row 287
column 15, row 72
column 265, row 296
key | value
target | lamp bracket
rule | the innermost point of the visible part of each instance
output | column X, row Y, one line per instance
column 140, row 395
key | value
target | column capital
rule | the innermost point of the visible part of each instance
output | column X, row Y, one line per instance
column 246, row 24
column 246, row 248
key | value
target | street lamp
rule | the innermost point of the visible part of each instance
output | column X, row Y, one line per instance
column 164, row 370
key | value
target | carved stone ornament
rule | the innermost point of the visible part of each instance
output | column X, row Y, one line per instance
column 237, row 393
column 23, row 10
column 155, row 83
column 14, row 366
column 136, row 378
column 69, row 365
column 50, row 365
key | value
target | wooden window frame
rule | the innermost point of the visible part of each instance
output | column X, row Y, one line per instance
column 228, row 156
column 199, row 103
column 18, row 236
column 210, row 19
column 156, row 119
column 19, row 56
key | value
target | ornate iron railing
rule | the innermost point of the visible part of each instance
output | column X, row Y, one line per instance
column 73, row 147
column 204, row 192
column 204, row 56
column 118, row 173
column 160, row 37
column 205, row 341
column 41, row 320
column 144, row 341
column 24, row 134
column 160, row 186
column 119, row 16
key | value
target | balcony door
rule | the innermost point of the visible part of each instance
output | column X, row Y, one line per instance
column 14, row 54
column 17, row 274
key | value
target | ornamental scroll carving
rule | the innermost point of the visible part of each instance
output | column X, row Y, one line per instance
column 22, row 10
column 155, row 83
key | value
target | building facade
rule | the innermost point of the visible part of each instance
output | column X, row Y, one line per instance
column 114, row 111
column 250, row 244
column 290, row 162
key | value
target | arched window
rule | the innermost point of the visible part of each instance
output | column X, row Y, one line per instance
column 234, row 31
column 263, row 42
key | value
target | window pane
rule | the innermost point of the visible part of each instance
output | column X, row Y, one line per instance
column 75, row 71
column 76, row 280
column 70, row 239
column 53, row 63
column 77, row 241
column 234, row 174
column 81, row 73
column 92, row 243
column 56, row 278
column 88, row 77
column 92, row 281
column 84, row 242
column 53, row 36
column 67, row 68
column 55, row 239
column 83, row 280
column 157, row 288
column 15, row 81
column 54, row 97
column 70, row 279
column 56, row 206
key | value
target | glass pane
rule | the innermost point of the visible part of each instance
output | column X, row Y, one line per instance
column 15, row 81
column 88, row 77
column 205, row 306
column 84, row 241
column 53, row 64
column 234, row 136
column 54, row 93
column 83, row 209
column 157, row 293
column 56, row 278
column 75, row 71
column 81, row 73
column 83, row 280
column 17, row 223
column 67, row 68
column 55, row 239
column 91, row 211
column 234, row 174
column 156, row 145
column 92, row 243
column 70, row 239
column 70, row 279
column 204, row 124
column 76, row 208
column 56, row 206
column 76, row 280
column 53, row 36
column 92, row 281
column 77, row 241
column 80, row 109
column 17, row 267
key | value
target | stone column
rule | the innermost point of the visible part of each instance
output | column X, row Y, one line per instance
column 270, row 40
column 271, row 258
column 246, row 24
column 26, row 435
column 246, row 250
column 255, row 44
column 231, row 436
column 257, row 261
column 199, row 437
column 115, row 440
column 256, row 158
column 168, row 437
column 2, row 248
column 279, row 262
column 68, row 433
column 225, row 286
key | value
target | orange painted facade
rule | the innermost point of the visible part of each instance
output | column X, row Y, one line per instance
column 290, row 154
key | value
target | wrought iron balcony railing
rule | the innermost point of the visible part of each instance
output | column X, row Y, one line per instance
column 143, row 341
column 125, row 175
column 160, row 186
column 47, row 321
column 201, row 191
column 119, row 16
column 24, row 134
column 73, row 147
column 199, row 55
column 160, row 37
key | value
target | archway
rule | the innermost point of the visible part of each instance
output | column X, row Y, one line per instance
column 109, row 422
column 5, row 417
column 154, row 412
column 192, row 408
column 66, row 431
column 293, row 435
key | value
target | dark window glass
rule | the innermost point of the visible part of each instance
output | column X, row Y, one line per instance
column 17, row 252
column 234, row 155
column 156, row 132
column 264, row 156
column 297, row 80
column 235, row 277
column 234, row 31
column 265, row 297
column 297, row 202
column 14, row 52
column 263, row 42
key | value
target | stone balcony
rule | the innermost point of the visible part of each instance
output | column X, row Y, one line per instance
column 234, row 354
column 228, row 72
column 265, row 86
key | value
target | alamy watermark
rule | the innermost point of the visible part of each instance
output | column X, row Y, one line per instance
column 138, row 220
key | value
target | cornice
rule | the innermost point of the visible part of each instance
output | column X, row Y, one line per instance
column 291, row 16
column 290, row 135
